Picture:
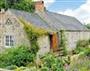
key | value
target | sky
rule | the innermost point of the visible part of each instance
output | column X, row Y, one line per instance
column 76, row 8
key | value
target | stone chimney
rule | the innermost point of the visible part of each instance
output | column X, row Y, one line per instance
column 39, row 6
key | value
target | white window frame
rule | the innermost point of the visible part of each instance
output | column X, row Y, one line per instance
column 9, row 41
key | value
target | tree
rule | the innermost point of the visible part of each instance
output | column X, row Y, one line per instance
column 88, row 26
column 12, row 2
column 2, row 4
column 26, row 5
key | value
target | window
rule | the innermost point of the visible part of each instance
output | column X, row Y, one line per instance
column 9, row 40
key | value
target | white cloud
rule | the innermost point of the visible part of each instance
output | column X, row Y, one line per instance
column 47, row 2
column 82, row 13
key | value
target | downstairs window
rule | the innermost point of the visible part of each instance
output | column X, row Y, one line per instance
column 9, row 40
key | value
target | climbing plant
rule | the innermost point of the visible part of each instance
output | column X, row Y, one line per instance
column 33, row 33
column 63, row 42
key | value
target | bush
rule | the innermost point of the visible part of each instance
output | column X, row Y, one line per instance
column 12, row 67
column 87, row 52
column 19, row 56
column 81, row 64
column 82, row 45
column 44, row 69
column 51, row 63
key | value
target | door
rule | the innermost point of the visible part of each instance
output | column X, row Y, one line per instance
column 54, row 41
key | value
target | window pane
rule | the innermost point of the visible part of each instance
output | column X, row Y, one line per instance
column 7, row 40
column 7, row 43
column 10, row 37
column 7, row 37
column 11, row 43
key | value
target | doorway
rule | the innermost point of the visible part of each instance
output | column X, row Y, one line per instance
column 54, row 41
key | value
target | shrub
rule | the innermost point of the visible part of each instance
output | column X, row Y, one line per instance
column 44, row 69
column 12, row 67
column 21, row 69
column 82, row 45
column 51, row 63
column 87, row 52
column 81, row 64
column 19, row 56
column 47, row 63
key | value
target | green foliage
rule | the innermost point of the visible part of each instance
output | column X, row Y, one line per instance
column 47, row 63
column 29, row 27
column 51, row 63
column 88, row 26
column 81, row 64
column 31, row 36
column 82, row 46
column 33, row 33
column 12, row 67
column 66, row 60
column 26, row 5
column 2, row 4
column 83, row 43
column 63, row 42
column 21, row 69
column 19, row 56
column 44, row 69
column 86, row 52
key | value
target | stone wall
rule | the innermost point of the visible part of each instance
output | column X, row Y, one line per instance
column 9, row 25
column 72, row 37
column 44, row 44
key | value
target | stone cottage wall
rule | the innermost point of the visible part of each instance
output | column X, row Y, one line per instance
column 44, row 45
column 73, row 36
column 10, row 26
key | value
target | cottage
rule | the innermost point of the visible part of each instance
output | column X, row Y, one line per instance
column 12, row 33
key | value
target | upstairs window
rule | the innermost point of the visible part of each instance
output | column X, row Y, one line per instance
column 9, row 40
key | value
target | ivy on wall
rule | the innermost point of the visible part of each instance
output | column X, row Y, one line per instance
column 63, row 42
column 33, row 33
